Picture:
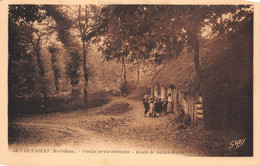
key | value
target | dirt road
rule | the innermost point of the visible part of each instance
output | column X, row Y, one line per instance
column 96, row 128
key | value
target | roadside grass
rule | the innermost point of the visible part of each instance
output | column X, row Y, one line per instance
column 20, row 106
column 116, row 108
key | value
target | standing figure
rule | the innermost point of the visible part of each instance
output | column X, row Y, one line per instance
column 165, row 103
column 160, row 107
column 146, row 104
column 151, row 112
column 157, row 106
column 170, row 104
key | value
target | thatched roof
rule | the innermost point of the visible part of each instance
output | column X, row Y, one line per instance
column 179, row 72
column 226, row 65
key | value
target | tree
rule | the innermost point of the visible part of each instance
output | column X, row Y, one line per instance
column 24, row 39
column 63, row 26
column 136, row 33
column 77, row 27
column 120, row 41
column 191, row 21
column 87, row 24
column 36, row 48
column 56, row 70
column 164, row 31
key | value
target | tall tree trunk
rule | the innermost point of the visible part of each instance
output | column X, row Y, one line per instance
column 195, row 44
column 124, row 68
column 66, row 75
column 84, row 59
column 55, row 69
column 42, row 73
column 36, row 47
column 103, row 72
column 85, row 74
column 138, row 70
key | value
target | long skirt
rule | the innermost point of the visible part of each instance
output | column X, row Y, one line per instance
column 152, row 109
column 169, row 107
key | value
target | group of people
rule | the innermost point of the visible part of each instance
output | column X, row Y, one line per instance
column 157, row 106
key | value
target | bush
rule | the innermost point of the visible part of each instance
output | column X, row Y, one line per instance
column 127, row 87
column 140, row 92
column 98, row 99
column 117, row 108
column 182, row 119
column 186, row 120
column 20, row 106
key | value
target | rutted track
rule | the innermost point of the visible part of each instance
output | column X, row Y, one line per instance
column 90, row 128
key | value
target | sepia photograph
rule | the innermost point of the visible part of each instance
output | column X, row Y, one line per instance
column 174, row 80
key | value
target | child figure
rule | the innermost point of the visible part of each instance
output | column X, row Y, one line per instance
column 151, row 113
column 165, row 103
column 160, row 107
column 157, row 106
column 170, row 104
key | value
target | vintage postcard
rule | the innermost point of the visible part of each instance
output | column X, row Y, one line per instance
column 129, row 83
